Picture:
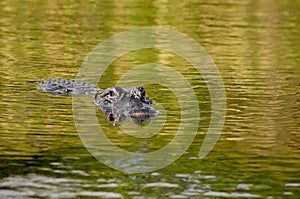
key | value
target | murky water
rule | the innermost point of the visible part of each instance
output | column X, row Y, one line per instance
column 255, row 45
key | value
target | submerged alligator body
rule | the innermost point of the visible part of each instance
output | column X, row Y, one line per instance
column 116, row 103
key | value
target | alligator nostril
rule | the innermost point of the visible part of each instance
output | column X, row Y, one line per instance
column 111, row 117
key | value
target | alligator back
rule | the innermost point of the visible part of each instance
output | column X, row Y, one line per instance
column 59, row 86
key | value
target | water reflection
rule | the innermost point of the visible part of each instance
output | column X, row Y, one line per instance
column 255, row 44
column 33, row 185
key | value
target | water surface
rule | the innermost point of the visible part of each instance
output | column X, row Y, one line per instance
column 255, row 45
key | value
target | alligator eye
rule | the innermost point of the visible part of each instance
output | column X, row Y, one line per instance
column 111, row 93
column 142, row 90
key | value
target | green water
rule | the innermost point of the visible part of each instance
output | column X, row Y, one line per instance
column 256, row 47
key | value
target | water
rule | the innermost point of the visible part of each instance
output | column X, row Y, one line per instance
column 255, row 45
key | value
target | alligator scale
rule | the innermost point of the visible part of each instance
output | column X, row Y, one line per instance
column 115, row 102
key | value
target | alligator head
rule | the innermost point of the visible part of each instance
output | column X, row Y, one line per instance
column 116, row 103
column 120, row 103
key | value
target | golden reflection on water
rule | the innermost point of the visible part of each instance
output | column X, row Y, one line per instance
column 255, row 45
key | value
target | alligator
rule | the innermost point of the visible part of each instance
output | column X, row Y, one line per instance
column 115, row 102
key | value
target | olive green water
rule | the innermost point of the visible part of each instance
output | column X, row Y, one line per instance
column 256, row 46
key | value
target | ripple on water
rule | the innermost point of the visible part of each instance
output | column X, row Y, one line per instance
column 109, row 185
column 233, row 195
column 161, row 184
column 292, row 185
column 100, row 194
column 34, row 185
